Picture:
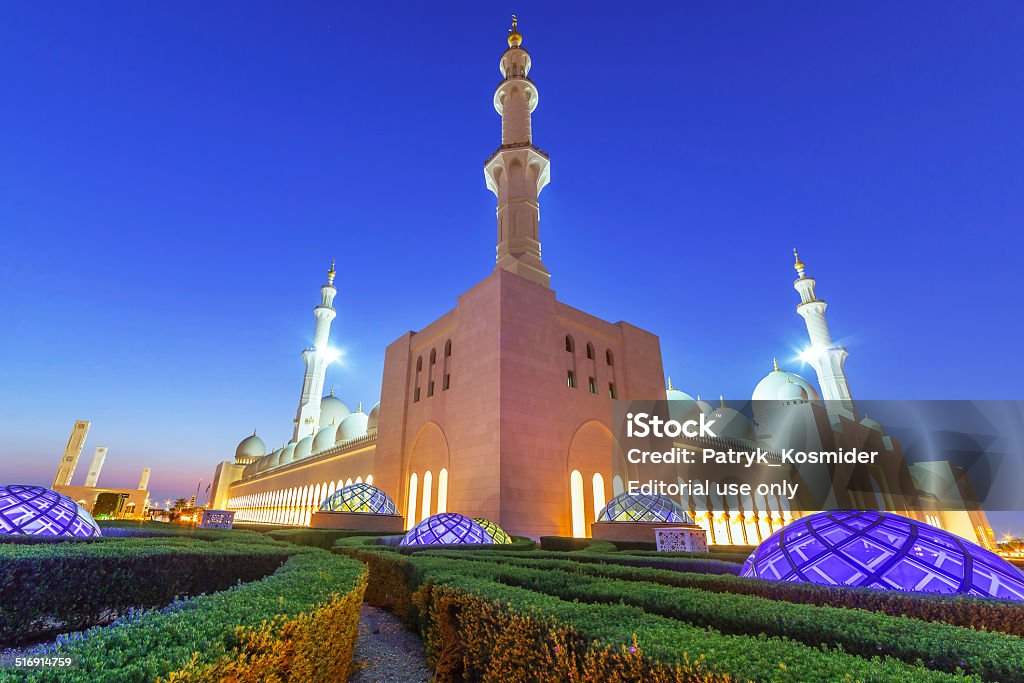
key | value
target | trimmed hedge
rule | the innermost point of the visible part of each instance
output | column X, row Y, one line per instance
column 298, row 624
column 51, row 588
column 478, row 629
column 957, row 610
column 993, row 656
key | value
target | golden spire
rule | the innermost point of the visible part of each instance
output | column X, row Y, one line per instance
column 360, row 408
column 332, row 390
column 670, row 387
column 330, row 274
column 515, row 38
column 775, row 362
column 798, row 265
column 721, row 401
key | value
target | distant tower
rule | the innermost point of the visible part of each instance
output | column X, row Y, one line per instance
column 144, row 480
column 97, row 464
column 72, row 452
column 826, row 357
column 317, row 358
column 518, row 170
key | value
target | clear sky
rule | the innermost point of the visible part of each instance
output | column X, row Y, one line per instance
column 176, row 178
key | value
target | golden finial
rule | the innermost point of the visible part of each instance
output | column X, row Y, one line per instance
column 360, row 408
column 330, row 274
column 332, row 390
column 254, row 431
column 721, row 400
column 515, row 38
column 798, row 265
column 670, row 387
column 775, row 362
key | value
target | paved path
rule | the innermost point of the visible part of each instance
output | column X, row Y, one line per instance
column 387, row 652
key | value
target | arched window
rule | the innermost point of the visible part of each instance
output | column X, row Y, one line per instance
column 428, row 482
column 431, row 375
column 410, row 509
column 359, row 479
column 446, row 380
column 348, row 482
column 617, row 486
column 419, row 372
column 369, row 479
column 609, row 358
column 442, row 490
column 599, row 500
column 590, row 351
column 570, row 362
column 579, row 520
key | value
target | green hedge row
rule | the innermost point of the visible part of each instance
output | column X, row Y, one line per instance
column 52, row 588
column 683, row 564
column 320, row 538
column 205, row 629
column 738, row 558
column 969, row 612
column 993, row 656
column 660, row 639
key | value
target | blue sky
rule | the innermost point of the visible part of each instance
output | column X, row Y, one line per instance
column 176, row 179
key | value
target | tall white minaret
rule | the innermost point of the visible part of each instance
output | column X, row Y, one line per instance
column 826, row 357
column 518, row 170
column 317, row 358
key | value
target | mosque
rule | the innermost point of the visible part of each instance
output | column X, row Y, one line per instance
column 503, row 407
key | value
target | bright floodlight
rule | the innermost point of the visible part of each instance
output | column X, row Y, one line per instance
column 810, row 355
column 882, row 550
column 329, row 354
column 35, row 511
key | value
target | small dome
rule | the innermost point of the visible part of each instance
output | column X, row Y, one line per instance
column 332, row 410
column 263, row 464
column 36, row 511
column 250, row 469
column 497, row 534
column 681, row 406
column 775, row 383
column 274, row 459
column 704, row 406
column 638, row 507
column 324, row 439
column 882, row 550
column 304, row 448
column 287, row 454
column 360, row 498
column 353, row 427
column 446, row 528
column 676, row 395
column 871, row 423
column 373, row 417
column 250, row 447
column 732, row 424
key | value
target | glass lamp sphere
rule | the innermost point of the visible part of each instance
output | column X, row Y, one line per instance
column 497, row 534
column 882, row 550
column 37, row 511
column 638, row 507
column 446, row 528
column 359, row 498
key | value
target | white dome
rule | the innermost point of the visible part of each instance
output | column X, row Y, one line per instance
column 704, row 406
column 332, row 410
column 263, row 463
column 304, row 448
column 771, row 388
column 353, row 427
column 792, row 392
column 274, row 459
column 287, row 454
column 250, row 447
column 250, row 469
column 372, row 419
column 324, row 439
column 732, row 424
column 681, row 406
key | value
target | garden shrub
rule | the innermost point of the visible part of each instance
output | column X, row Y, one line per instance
column 957, row 610
column 566, row 543
column 298, row 624
column 49, row 588
column 993, row 656
column 479, row 629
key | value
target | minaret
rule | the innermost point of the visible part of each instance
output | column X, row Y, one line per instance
column 97, row 464
column 317, row 358
column 518, row 170
column 826, row 357
column 73, row 450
